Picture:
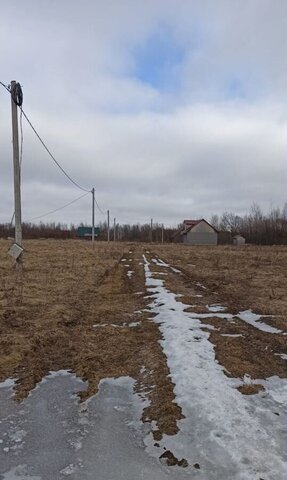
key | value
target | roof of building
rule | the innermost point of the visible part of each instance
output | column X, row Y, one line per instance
column 191, row 224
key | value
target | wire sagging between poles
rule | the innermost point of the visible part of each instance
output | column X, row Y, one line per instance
column 60, row 208
column 51, row 155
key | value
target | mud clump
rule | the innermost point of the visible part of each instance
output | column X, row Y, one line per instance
column 169, row 459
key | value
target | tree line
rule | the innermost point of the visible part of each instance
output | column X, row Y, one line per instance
column 257, row 228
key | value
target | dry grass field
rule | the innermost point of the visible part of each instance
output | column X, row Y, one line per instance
column 75, row 308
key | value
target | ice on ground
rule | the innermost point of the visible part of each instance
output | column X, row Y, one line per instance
column 215, row 308
column 234, row 335
column 108, row 428
column 225, row 316
column 160, row 262
column 231, row 436
column 8, row 383
column 201, row 286
column 130, row 273
column 19, row 473
column 175, row 270
column 17, row 436
column 253, row 319
column 69, row 469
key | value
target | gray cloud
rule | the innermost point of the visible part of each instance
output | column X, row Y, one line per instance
column 217, row 142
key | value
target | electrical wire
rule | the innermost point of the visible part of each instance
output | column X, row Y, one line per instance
column 51, row 155
column 19, row 99
column 5, row 86
column 98, row 207
column 57, row 209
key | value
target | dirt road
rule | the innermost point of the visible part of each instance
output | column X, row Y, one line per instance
column 185, row 325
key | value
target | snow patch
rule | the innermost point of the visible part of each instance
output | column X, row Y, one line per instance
column 223, row 431
column 282, row 355
column 234, row 335
column 253, row 319
column 215, row 308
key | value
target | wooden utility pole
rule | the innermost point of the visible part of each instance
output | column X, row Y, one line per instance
column 108, row 212
column 93, row 217
column 151, row 230
column 114, row 229
column 17, row 173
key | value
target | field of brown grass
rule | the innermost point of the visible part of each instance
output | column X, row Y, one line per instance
column 72, row 307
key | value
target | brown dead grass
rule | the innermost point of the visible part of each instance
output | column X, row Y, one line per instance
column 48, row 314
column 239, row 279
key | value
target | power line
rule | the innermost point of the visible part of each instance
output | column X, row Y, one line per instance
column 99, row 208
column 47, row 150
column 51, row 155
column 60, row 208
column 5, row 86
column 19, row 103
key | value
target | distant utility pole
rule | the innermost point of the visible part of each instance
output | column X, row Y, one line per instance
column 151, row 230
column 16, row 100
column 93, row 217
column 108, row 212
column 114, row 229
column 162, row 232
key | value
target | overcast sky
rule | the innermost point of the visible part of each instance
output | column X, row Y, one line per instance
column 171, row 109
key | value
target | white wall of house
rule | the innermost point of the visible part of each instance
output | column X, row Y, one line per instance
column 201, row 234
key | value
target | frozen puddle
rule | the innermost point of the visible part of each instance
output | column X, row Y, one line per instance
column 51, row 436
column 231, row 436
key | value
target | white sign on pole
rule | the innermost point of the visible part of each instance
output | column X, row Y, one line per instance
column 15, row 251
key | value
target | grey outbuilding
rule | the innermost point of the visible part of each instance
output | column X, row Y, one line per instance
column 238, row 240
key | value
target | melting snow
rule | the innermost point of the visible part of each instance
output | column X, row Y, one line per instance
column 282, row 355
column 160, row 262
column 253, row 319
column 8, row 383
column 130, row 272
column 215, row 308
column 228, row 434
column 234, row 335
